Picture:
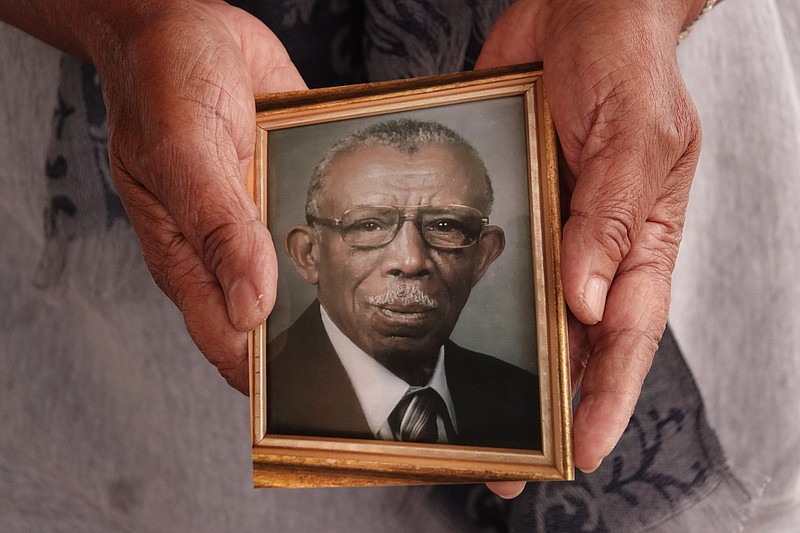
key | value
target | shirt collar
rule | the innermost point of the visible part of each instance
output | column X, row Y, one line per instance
column 378, row 390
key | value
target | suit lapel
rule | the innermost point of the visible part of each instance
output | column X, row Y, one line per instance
column 313, row 392
column 466, row 405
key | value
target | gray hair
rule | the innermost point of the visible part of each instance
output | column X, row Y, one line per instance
column 404, row 135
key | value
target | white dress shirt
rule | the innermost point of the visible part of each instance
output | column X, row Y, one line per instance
column 379, row 390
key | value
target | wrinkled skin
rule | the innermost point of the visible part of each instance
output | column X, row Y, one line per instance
column 179, row 79
column 630, row 138
column 181, row 141
column 404, row 337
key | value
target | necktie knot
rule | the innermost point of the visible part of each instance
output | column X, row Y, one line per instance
column 416, row 417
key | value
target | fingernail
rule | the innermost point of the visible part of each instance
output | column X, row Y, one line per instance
column 590, row 470
column 594, row 296
column 243, row 300
column 507, row 489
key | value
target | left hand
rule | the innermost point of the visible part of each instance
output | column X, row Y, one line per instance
column 179, row 90
column 631, row 138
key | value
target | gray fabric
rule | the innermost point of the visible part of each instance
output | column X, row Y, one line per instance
column 111, row 420
column 85, row 225
column 667, row 466
column 735, row 296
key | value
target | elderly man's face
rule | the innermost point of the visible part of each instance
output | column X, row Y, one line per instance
column 399, row 301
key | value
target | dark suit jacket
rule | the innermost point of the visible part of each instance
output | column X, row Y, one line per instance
column 308, row 392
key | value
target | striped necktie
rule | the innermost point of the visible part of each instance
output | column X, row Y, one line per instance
column 414, row 419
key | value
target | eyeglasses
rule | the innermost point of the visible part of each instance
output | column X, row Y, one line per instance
column 371, row 226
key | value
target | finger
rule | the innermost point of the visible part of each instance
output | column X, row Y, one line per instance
column 506, row 489
column 180, row 273
column 209, row 205
column 512, row 39
column 639, row 257
column 270, row 72
column 625, row 165
column 623, row 344
column 579, row 350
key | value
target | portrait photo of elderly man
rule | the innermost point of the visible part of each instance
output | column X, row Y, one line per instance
column 397, row 234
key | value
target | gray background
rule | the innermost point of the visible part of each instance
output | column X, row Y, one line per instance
column 499, row 317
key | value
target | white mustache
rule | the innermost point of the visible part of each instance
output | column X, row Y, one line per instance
column 404, row 294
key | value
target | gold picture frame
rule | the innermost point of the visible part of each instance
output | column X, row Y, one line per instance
column 504, row 113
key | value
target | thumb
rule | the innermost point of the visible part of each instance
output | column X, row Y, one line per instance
column 513, row 38
column 181, row 138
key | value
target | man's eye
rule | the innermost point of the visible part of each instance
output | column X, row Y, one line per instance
column 368, row 226
column 446, row 225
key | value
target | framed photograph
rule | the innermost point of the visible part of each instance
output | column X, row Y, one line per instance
column 419, row 333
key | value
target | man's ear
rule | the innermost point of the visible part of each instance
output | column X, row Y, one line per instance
column 490, row 246
column 302, row 247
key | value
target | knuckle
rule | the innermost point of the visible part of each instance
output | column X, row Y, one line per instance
column 171, row 267
column 676, row 125
column 676, row 139
column 224, row 241
column 614, row 236
column 656, row 251
column 611, row 231
column 217, row 245
column 628, row 353
column 644, row 120
column 149, row 163
column 662, row 247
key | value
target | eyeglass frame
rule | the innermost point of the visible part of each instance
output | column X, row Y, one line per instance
column 404, row 217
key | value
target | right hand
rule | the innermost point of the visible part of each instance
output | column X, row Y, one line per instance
column 630, row 138
column 179, row 92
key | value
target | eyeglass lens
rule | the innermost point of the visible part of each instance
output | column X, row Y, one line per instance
column 441, row 227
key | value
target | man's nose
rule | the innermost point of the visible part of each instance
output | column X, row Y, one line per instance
column 407, row 254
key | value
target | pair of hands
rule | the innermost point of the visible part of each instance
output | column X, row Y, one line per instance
column 179, row 91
